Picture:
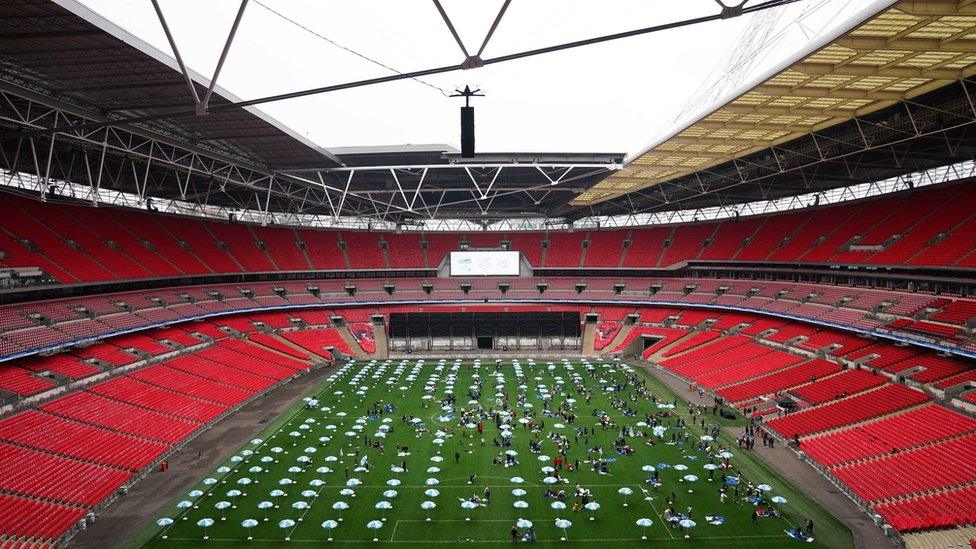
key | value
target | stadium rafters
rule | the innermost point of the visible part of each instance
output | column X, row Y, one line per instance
column 85, row 102
column 887, row 91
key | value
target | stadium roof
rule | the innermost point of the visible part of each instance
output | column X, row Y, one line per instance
column 888, row 97
column 99, row 69
column 884, row 66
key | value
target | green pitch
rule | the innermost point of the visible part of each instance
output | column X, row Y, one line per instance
column 311, row 455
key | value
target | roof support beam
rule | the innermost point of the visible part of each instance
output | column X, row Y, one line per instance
column 938, row 7
column 176, row 52
column 842, row 93
column 819, row 69
column 205, row 102
column 870, row 44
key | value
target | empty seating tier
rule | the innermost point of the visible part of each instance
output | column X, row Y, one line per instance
column 888, row 435
column 864, row 406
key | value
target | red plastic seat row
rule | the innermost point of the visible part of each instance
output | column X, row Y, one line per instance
column 699, row 338
column 263, row 367
column 56, row 478
column 778, row 381
column 151, row 397
column 606, row 331
column 126, row 418
column 847, row 383
column 667, row 336
column 894, row 433
column 69, row 438
column 316, row 340
column 945, row 464
column 219, row 373
column 189, row 384
column 861, row 407
column 747, row 369
column 363, row 333
column 246, row 349
column 33, row 519
column 942, row 509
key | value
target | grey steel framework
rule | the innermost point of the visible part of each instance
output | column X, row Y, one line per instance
column 82, row 103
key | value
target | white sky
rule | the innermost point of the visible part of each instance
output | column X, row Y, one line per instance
column 614, row 97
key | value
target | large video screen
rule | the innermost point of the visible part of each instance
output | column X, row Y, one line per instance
column 484, row 263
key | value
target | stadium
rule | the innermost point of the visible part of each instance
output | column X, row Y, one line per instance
column 240, row 304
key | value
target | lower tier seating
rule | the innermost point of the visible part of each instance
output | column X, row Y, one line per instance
column 889, row 435
column 942, row 509
column 861, row 407
column 944, row 464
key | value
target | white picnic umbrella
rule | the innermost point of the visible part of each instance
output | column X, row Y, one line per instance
column 390, row 494
column 340, row 506
column 519, row 504
column 550, row 480
column 247, row 524
column 644, row 523
column 427, row 506
column 393, row 482
column 286, row 524
column 264, row 506
column 374, row 525
column 517, row 480
column 185, row 504
column 432, row 492
column 432, row 481
column 518, row 492
column 523, row 523
column 765, row 487
column 778, row 499
column 164, row 522
column 468, row 505
column 205, row 523
column 221, row 506
column 687, row 523
column 563, row 525
column 558, row 505
column 383, row 506
column 330, row 525
column 300, row 505
column 592, row 507
column 625, row 491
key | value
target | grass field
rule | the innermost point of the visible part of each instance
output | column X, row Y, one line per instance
column 312, row 446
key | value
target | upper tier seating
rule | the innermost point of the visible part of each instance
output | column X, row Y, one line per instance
column 142, row 245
